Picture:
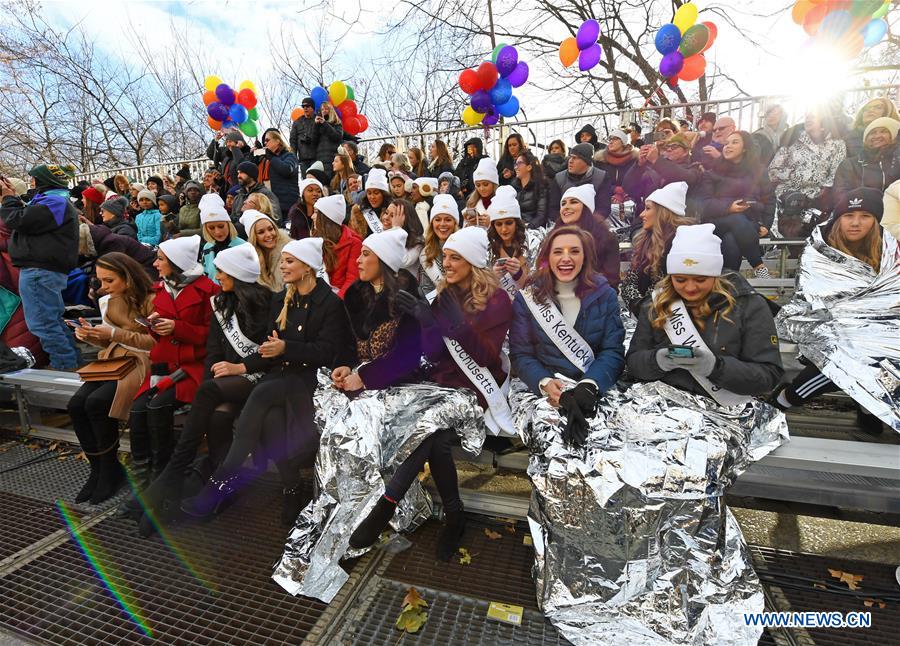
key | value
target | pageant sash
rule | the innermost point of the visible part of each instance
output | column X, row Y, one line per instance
column 240, row 343
column 373, row 221
column 563, row 335
column 498, row 416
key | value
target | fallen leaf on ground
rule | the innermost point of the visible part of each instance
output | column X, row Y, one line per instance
column 872, row 602
column 425, row 473
column 492, row 535
column 846, row 577
column 464, row 557
column 53, row 446
column 414, row 600
column 413, row 616
column 81, row 456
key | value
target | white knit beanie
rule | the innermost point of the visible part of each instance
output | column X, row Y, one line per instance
column 150, row 195
column 504, row 204
column 389, row 246
column 182, row 252
column 377, row 179
column 619, row 134
column 444, row 204
column 333, row 207
column 209, row 200
column 308, row 250
column 584, row 194
column 240, row 262
column 486, row 170
column 311, row 181
column 471, row 243
column 214, row 214
column 428, row 186
column 671, row 196
column 696, row 251
column 250, row 217
column 892, row 126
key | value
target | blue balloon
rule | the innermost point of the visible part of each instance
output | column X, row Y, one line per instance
column 501, row 92
column 319, row 95
column 510, row 108
column 481, row 101
column 238, row 113
column 835, row 24
column 668, row 38
column 874, row 31
column 228, row 123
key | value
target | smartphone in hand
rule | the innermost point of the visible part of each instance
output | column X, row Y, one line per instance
column 144, row 321
column 680, row 352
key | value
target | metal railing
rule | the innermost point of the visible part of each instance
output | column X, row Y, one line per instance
column 538, row 133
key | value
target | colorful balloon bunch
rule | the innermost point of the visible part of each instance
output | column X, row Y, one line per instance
column 848, row 27
column 229, row 109
column 490, row 87
column 343, row 100
column 583, row 47
column 682, row 43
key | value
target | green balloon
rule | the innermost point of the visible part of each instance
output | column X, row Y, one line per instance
column 882, row 11
column 694, row 40
column 865, row 7
column 253, row 114
column 496, row 52
column 249, row 128
column 350, row 94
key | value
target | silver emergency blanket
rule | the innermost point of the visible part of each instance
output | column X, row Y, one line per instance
column 633, row 542
column 362, row 443
column 845, row 318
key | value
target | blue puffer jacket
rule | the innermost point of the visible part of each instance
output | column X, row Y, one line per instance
column 148, row 226
column 208, row 256
column 534, row 356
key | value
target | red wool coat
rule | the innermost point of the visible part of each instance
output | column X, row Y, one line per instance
column 347, row 251
column 185, row 348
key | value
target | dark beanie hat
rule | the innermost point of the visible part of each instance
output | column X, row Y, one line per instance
column 116, row 206
column 870, row 200
column 320, row 175
column 583, row 151
column 184, row 173
column 52, row 175
column 249, row 168
column 234, row 135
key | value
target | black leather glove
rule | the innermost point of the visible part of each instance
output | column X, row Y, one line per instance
column 409, row 304
column 576, row 431
column 585, row 396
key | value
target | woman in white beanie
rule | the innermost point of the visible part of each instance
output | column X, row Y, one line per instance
column 308, row 330
column 341, row 245
column 703, row 332
column 443, row 223
column 664, row 211
column 470, row 318
column 401, row 214
column 301, row 214
column 236, row 330
column 179, row 326
column 486, row 180
column 506, row 238
column 577, row 208
column 366, row 217
column 268, row 241
column 218, row 231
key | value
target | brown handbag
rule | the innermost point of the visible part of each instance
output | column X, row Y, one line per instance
column 107, row 369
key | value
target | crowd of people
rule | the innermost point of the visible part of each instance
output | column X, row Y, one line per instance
column 297, row 255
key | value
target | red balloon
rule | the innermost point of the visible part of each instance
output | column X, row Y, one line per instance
column 672, row 81
column 694, row 67
column 348, row 108
column 468, row 82
column 713, row 32
column 814, row 17
column 247, row 98
column 363, row 122
column 487, row 75
column 351, row 125
column 209, row 97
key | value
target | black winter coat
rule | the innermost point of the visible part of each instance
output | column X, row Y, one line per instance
column 328, row 137
column 121, row 227
column 388, row 346
column 640, row 181
column 506, row 163
column 564, row 181
column 870, row 169
column 44, row 232
column 728, row 182
column 226, row 159
column 533, row 202
column 283, row 169
column 553, row 164
column 745, row 341
column 107, row 241
column 467, row 166
column 302, row 139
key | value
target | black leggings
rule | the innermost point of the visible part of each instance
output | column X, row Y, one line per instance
column 437, row 450
column 740, row 239
column 97, row 432
column 808, row 384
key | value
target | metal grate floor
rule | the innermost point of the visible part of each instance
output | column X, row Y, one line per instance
column 23, row 522
column 452, row 619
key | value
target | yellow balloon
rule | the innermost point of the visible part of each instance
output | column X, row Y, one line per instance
column 685, row 17
column 470, row 117
column 337, row 92
column 247, row 85
column 212, row 82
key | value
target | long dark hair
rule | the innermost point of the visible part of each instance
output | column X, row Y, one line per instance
column 749, row 163
column 411, row 224
column 330, row 232
column 392, row 282
column 518, row 243
column 246, row 300
column 138, row 285
column 537, row 171
column 542, row 280
column 506, row 157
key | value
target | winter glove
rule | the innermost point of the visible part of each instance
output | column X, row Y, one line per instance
column 664, row 362
column 576, row 429
column 450, row 313
column 584, row 396
column 702, row 363
column 419, row 309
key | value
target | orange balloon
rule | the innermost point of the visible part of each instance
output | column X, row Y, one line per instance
column 814, row 17
column 568, row 51
column 296, row 113
column 209, row 97
column 801, row 8
column 215, row 125
column 694, row 67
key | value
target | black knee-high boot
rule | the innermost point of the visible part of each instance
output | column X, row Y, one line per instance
column 112, row 475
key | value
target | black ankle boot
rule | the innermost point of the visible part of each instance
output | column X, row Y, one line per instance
column 869, row 424
column 88, row 489
column 451, row 535
column 111, row 479
column 370, row 529
column 292, row 502
column 210, row 501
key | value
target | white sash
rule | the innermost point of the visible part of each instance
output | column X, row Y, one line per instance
column 563, row 335
column 498, row 416
column 104, row 305
column 681, row 331
column 509, row 285
column 434, row 273
column 240, row 343
column 373, row 220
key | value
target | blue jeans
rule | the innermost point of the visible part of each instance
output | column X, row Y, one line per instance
column 41, row 293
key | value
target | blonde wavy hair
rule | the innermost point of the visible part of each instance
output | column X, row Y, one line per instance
column 484, row 284
column 661, row 308
column 432, row 246
column 868, row 250
column 269, row 259
column 650, row 244
column 232, row 233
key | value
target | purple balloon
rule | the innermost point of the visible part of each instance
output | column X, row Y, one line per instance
column 225, row 94
column 671, row 64
column 217, row 111
column 589, row 57
column 587, row 35
column 507, row 60
column 490, row 119
column 481, row 101
column 519, row 75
